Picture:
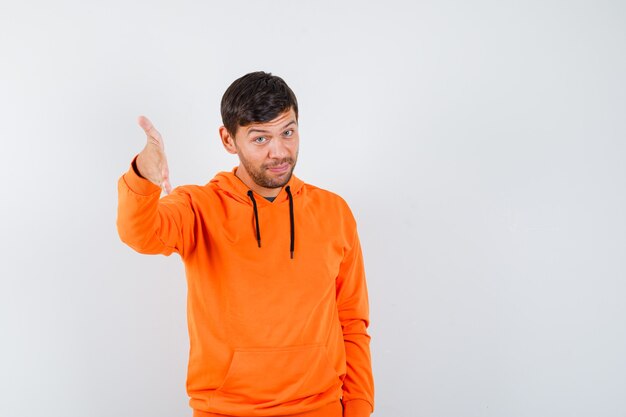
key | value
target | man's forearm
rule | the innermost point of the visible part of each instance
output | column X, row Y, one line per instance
column 149, row 224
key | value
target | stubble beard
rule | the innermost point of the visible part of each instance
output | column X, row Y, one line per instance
column 260, row 176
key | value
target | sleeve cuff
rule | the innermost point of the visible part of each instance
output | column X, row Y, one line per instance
column 357, row 408
column 137, row 184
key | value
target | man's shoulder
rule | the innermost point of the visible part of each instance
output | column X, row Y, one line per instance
column 321, row 192
column 326, row 197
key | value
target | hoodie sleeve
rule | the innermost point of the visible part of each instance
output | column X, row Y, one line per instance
column 150, row 224
column 353, row 305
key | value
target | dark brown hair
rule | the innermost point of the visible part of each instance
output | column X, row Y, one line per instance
column 257, row 97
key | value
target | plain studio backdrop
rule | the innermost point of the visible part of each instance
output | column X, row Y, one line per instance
column 481, row 146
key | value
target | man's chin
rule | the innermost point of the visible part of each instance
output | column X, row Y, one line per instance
column 278, row 180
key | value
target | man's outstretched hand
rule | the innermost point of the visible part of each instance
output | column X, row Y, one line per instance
column 151, row 161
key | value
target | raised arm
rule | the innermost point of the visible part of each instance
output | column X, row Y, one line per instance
column 145, row 222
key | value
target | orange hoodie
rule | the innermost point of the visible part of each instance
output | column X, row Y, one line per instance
column 270, row 334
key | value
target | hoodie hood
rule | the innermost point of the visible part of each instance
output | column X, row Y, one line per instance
column 229, row 183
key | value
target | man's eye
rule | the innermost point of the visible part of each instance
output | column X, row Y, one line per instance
column 289, row 132
column 260, row 139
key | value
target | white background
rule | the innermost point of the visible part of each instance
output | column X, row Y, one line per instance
column 481, row 146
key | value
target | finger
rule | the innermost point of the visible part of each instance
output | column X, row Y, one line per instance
column 148, row 127
column 165, row 171
column 166, row 179
column 167, row 186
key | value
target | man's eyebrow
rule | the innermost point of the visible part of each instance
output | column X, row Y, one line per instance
column 267, row 131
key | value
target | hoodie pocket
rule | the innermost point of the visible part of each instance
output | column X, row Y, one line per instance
column 263, row 376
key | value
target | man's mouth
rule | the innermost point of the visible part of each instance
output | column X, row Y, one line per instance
column 278, row 169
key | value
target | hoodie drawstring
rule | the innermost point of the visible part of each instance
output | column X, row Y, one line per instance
column 256, row 217
column 291, row 222
column 291, row 219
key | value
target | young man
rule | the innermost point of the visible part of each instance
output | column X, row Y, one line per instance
column 277, row 299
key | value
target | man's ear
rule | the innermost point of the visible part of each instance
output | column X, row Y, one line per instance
column 227, row 140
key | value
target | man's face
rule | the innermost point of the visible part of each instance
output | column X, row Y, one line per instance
column 268, row 151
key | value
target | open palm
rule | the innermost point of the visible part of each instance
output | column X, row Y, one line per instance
column 152, row 162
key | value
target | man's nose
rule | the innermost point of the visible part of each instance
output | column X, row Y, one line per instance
column 277, row 149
